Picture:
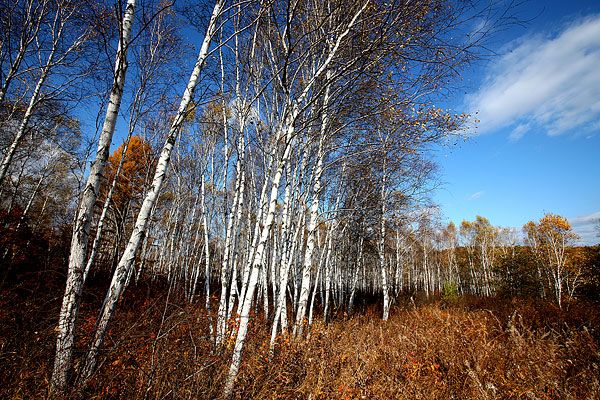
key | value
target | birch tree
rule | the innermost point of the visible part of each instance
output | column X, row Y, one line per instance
column 128, row 257
column 20, row 27
column 285, row 133
column 551, row 236
column 79, row 242
column 61, row 45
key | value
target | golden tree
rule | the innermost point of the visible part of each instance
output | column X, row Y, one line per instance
column 138, row 161
column 549, row 238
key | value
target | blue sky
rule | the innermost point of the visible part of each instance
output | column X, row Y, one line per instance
column 536, row 148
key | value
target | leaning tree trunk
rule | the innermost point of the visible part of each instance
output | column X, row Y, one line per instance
column 103, row 214
column 139, row 230
column 35, row 96
column 29, row 34
column 79, row 241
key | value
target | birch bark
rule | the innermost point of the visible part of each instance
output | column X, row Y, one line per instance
column 79, row 241
column 139, row 230
column 314, row 213
column 384, row 277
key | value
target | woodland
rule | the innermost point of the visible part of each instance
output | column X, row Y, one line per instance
column 232, row 199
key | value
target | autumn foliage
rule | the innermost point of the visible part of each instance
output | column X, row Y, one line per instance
column 138, row 161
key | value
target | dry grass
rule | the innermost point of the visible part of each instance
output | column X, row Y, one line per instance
column 431, row 353
column 476, row 349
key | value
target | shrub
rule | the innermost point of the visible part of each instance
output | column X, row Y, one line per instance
column 450, row 292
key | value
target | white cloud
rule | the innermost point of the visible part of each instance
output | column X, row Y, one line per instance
column 552, row 82
column 585, row 219
column 586, row 227
column 476, row 195
column 520, row 131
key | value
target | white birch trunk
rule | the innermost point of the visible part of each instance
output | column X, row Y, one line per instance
column 280, row 316
column 328, row 257
column 31, row 27
column 256, row 238
column 139, row 229
column 10, row 152
column 79, row 242
column 105, row 207
column 247, row 300
column 312, row 226
column 290, row 120
column 207, row 269
column 384, row 277
column 314, row 295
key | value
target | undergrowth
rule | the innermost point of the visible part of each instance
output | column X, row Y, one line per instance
column 470, row 348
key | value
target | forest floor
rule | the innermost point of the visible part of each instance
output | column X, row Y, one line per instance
column 160, row 349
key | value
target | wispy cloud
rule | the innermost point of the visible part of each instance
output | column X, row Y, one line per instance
column 549, row 82
column 586, row 227
column 520, row 131
column 476, row 195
